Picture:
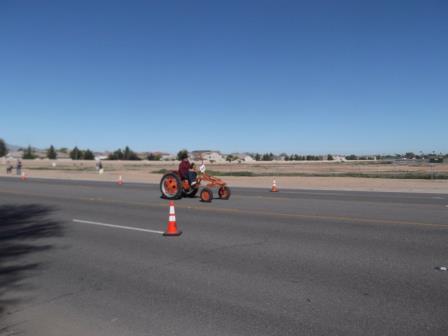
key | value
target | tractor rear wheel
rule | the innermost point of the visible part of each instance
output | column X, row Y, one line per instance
column 206, row 195
column 224, row 193
column 171, row 186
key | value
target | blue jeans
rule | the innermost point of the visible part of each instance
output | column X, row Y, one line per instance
column 191, row 176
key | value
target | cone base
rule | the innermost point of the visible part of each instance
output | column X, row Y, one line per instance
column 172, row 234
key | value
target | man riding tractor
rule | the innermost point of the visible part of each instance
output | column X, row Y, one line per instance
column 186, row 182
column 184, row 170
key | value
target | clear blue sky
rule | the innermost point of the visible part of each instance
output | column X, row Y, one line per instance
column 307, row 77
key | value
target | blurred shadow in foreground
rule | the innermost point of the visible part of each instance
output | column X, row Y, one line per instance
column 21, row 228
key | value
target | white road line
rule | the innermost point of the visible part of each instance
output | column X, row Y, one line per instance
column 117, row 226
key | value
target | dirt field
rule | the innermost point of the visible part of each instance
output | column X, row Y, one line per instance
column 301, row 175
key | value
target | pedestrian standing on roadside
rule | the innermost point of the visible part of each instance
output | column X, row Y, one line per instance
column 100, row 167
column 19, row 168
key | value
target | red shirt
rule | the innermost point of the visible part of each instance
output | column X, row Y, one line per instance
column 184, row 167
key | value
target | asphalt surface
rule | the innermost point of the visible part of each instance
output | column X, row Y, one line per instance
column 297, row 262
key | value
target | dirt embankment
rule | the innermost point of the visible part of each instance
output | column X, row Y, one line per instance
column 406, row 176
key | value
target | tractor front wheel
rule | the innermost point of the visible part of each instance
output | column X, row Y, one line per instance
column 171, row 186
column 206, row 195
column 224, row 193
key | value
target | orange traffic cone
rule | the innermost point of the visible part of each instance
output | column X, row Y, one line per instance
column 172, row 227
column 274, row 186
column 23, row 177
column 120, row 180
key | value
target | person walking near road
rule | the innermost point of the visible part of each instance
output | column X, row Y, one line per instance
column 19, row 168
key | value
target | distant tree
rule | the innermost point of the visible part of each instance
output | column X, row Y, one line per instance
column 76, row 154
column 63, row 150
column 330, row 157
column 3, row 148
column 286, row 157
column 153, row 157
column 128, row 154
column 28, row 154
column 51, row 153
column 88, row 155
column 410, row 155
column 297, row 157
column 267, row 157
column 231, row 158
column 134, row 157
column 351, row 157
column 257, row 157
column 117, row 155
column 182, row 154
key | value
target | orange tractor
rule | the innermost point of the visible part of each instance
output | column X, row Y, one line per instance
column 173, row 187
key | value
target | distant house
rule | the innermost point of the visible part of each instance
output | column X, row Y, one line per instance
column 40, row 154
column 243, row 157
column 62, row 155
column 167, row 156
column 14, row 155
column 208, row 156
column 101, row 156
column 248, row 159
column 339, row 158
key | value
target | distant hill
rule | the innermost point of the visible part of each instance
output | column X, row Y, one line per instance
column 12, row 148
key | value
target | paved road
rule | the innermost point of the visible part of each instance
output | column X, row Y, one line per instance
column 299, row 262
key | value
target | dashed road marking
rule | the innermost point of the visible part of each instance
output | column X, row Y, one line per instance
column 116, row 226
column 442, row 268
